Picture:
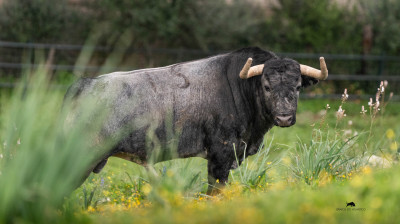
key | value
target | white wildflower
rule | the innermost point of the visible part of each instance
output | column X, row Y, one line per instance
column 347, row 132
column 340, row 113
column 363, row 111
column 381, row 87
column 377, row 104
column 385, row 83
column 370, row 103
column 345, row 96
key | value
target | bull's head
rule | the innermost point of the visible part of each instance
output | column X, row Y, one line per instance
column 281, row 80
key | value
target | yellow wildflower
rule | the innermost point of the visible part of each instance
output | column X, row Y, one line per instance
column 91, row 209
column 366, row 169
column 170, row 173
column 393, row 146
column 106, row 193
column 390, row 133
column 324, row 178
column 146, row 189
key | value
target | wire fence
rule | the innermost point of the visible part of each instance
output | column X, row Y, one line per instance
column 346, row 71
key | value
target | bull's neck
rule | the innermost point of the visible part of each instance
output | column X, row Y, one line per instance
column 252, row 111
column 248, row 98
column 262, row 114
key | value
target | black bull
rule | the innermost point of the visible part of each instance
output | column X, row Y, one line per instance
column 204, row 103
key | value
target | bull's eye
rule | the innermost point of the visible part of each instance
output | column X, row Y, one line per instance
column 267, row 88
column 298, row 88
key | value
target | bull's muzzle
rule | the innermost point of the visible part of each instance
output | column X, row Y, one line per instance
column 284, row 120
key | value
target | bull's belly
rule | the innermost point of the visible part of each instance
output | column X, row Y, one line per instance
column 131, row 157
column 138, row 160
column 143, row 147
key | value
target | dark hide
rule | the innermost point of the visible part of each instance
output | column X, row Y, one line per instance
column 200, row 108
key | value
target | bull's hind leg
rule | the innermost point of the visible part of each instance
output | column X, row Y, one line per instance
column 80, row 180
column 218, row 172
column 96, row 167
column 100, row 166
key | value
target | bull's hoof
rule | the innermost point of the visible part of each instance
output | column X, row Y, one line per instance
column 215, row 189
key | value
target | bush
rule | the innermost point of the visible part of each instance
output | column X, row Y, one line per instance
column 385, row 19
column 202, row 24
column 313, row 26
column 42, row 21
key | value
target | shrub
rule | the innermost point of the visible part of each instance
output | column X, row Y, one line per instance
column 42, row 21
column 40, row 163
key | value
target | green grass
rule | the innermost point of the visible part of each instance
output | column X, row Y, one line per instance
column 302, row 174
column 377, row 193
column 39, row 164
column 325, row 155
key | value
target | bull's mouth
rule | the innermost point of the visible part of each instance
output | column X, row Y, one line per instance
column 284, row 120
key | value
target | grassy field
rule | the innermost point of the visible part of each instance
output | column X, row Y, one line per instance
column 303, row 174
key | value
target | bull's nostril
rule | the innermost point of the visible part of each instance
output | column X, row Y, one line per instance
column 284, row 120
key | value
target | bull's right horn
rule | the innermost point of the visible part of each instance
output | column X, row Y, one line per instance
column 248, row 72
column 315, row 73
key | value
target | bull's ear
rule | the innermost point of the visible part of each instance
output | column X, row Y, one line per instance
column 307, row 81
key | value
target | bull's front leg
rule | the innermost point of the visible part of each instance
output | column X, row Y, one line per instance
column 219, row 164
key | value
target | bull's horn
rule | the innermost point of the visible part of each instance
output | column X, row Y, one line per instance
column 315, row 73
column 248, row 72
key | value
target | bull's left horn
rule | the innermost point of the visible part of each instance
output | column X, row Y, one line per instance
column 248, row 72
column 315, row 73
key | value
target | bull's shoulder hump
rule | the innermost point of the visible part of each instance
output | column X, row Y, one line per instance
column 137, row 72
column 160, row 70
column 78, row 86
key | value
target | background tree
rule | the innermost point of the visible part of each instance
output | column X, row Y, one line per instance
column 42, row 21
column 313, row 26
column 384, row 16
column 202, row 24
